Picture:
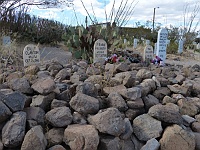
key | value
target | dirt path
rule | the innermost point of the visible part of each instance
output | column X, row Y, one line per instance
column 53, row 53
column 188, row 58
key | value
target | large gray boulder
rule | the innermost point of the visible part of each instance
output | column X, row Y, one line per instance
column 109, row 142
column 128, row 130
column 44, row 86
column 15, row 101
column 21, row 85
column 178, row 138
column 144, row 74
column 43, row 101
column 147, row 86
column 79, row 118
column 150, row 101
column 84, row 104
column 108, row 121
column 32, row 70
column 146, row 127
column 58, row 103
column 87, row 88
column 118, row 88
column 166, row 113
column 81, row 137
column 115, row 100
column 131, row 93
column 14, row 130
column 57, row 147
column 59, row 117
column 151, row 144
column 34, row 139
column 197, row 138
column 178, row 89
column 187, row 107
column 126, row 78
column 64, row 73
column 5, row 112
column 55, row 136
column 35, row 113
column 136, row 104
column 1, row 145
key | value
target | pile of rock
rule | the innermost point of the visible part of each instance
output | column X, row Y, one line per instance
column 114, row 106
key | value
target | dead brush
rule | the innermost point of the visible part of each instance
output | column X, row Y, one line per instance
column 10, row 58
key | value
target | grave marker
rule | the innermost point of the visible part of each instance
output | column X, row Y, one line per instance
column 155, row 48
column 147, row 42
column 135, row 43
column 162, row 44
column 198, row 46
column 100, row 50
column 180, row 46
column 31, row 55
column 148, row 53
column 6, row 40
column 125, row 41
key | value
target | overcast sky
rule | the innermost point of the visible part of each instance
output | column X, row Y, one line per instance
column 169, row 11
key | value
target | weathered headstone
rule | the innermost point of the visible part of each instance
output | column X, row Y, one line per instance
column 198, row 46
column 148, row 53
column 147, row 42
column 162, row 44
column 135, row 41
column 6, row 40
column 125, row 41
column 100, row 50
column 31, row 55
column 180, row 46
column 155, row 48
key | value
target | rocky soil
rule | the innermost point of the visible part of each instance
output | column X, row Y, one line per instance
column 124, row 106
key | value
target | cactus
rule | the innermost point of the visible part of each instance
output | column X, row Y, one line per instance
column 81, row 40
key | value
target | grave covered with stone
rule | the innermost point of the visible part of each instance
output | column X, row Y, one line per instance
column 100, row 106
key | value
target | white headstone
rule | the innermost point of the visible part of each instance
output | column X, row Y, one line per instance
column 162, row 44
column 6, row 40
column 198, row 46
column 100, row 50
column 180, row 46
column 155, row 48
column 125, row 41
column 148, row 53
column 147, row 42
column 135, row 43
column 31, row 55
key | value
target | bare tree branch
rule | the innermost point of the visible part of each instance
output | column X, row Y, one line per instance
column 95, row 19
column 87, row 12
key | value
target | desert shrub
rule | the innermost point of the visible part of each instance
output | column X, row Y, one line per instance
column 23, row 27
column 172, row 48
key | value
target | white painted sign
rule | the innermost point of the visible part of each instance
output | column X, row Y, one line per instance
column 100, row 50
column 180, row 46
column 148, row 53
column 6, row 40
column 135, row 41
column 162, row 44
column 31, row 55
column 147, row 42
